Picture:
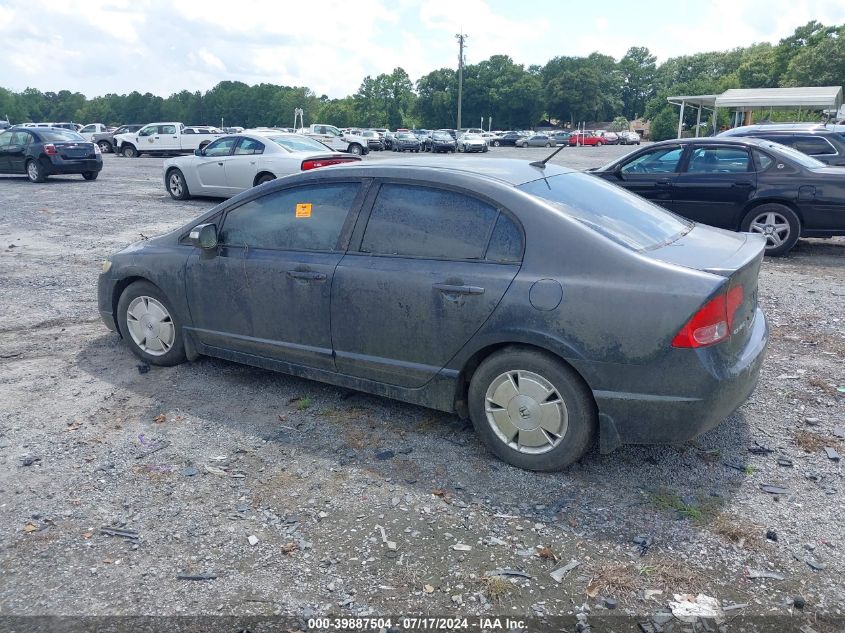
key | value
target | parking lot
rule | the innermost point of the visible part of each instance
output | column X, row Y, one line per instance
column 361, row 505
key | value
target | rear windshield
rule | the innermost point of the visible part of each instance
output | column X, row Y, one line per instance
column 793, row 154
column 617, row 214
column 59, row 136
column 298, row 143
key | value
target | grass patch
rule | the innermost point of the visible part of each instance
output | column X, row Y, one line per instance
column 736, row 529
column 704, row 510
column 303, row 403
column 496, row 588
column 810, row 442
column 822, row 384
column 627, row 579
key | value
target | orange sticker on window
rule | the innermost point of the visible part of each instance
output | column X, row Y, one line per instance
column 303, row 210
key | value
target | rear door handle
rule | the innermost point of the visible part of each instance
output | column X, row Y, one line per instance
column 743, row 183
column 458, row 290
column 306, row 274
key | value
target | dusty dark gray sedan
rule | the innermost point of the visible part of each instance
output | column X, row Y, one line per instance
column 549, row 306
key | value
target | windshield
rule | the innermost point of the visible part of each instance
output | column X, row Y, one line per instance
column 625, row 218
column 799, row 157
column 441, row 136
column 298, row 143
column 406, row 135
column 59, row 136
column 472, row 137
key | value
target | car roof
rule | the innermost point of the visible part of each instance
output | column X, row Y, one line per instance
column 792, row 128
column 511, row 171
column 726, row 140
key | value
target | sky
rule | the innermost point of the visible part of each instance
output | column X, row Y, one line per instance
column 116, row 46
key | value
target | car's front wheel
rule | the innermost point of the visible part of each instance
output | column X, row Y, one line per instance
column 777, row 223
column 149, row 325
column 90, row 175
column 176, row 185
column 129, row 151
column 35, row 172
column 532, row 410
column 105, row 146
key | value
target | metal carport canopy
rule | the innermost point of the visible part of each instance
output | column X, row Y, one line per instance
column 811, row 97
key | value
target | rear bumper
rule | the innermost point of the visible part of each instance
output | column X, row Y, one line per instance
column 58, row 165
column 715, row 392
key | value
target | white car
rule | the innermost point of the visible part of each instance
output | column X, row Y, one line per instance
column 470, row 142
column 232, row 164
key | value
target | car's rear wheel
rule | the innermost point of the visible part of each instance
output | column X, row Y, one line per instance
column 35, row 172
column 548, row 144
column 90, row 175
column 105, row 146
column 355, row 149
column 532, row 410
column 777, row 223
column 599, row 143
column 149, row 325
column 129, row 151
column 265, row 178
column 496, row 143
column 176, row 185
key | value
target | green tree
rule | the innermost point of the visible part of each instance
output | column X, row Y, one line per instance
column 637, row 70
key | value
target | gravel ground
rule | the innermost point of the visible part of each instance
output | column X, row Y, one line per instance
column 299, row 498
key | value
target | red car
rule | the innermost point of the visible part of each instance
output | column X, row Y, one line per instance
column 587, row 137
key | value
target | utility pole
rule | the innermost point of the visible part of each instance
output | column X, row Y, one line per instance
column 460, row 37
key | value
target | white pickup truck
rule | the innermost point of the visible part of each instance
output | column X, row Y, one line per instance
column 162, row 138
column 337, row 140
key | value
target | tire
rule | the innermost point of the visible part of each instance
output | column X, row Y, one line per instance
column 778, row 223
column 570, row 410
column 496, row 143
column 35, row 171
column 129, row 151
column 265, row 178
column 105, row 147
column 151, row 314
column 176, row 185
column 90, row 175
column 486, row 149
column 356, row 149
column 599, row 144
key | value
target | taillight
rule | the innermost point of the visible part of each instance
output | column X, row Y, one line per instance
column 97, row 149
column 713, row 322
column 314, row 163
column 50, row 149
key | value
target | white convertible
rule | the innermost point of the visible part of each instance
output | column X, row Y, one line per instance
column 235, row 163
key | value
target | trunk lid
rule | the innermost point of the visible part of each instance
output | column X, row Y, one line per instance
column 75, row 150
column 735, row 256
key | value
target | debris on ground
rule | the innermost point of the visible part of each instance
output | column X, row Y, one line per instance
column 689, row 608
column 126, row 533
column 560, row 573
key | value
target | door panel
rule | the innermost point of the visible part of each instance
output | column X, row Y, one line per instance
column 264, row 302
column 400, row 320
column 716, row 186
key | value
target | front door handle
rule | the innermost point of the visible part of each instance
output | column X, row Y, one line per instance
column 221, row 164
column 663, row 182
column 458, row 290
column 743, row 183
column 307, row 275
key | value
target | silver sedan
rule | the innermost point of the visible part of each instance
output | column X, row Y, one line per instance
column 235, row 163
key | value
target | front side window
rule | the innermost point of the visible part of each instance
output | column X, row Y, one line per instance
column 148, row 131
column 415, row 221
column 89, row 128
column 718, row 160
column 6, row 139
column 221, row 147
column 307, row 218
column 658, row 161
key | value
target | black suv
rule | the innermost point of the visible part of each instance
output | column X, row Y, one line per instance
column 815, row 140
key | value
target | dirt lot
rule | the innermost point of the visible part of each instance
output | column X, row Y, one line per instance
column 361, row 505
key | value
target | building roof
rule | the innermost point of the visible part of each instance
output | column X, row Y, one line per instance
column 742, row 98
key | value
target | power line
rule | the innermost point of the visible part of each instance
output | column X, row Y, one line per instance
column 460, row 37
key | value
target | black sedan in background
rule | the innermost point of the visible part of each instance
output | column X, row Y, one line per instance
column 39, row 152
column 486, row 287
column 741, row 184
column 507, row 139
column 440, row 142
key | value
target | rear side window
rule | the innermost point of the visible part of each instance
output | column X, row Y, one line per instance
column 506, row 241
column 813, row 145
column 764, row 160
column 718, row 160
column 414, row 221
column 305, row 218
column 249, row 146
column 623, row 217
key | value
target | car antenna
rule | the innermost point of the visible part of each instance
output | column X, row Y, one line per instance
column 542, row 163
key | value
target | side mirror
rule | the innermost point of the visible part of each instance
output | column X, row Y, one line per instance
column 617, row 171
column 199, row 152
column 203, row 236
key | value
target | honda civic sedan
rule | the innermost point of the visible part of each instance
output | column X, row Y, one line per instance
column 488, row 288
column 740, row 184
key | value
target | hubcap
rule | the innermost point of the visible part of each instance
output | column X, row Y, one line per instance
column 32, row 171
column 175, row 185
column 774, row 226
column 150, row 326
column 526, row 412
